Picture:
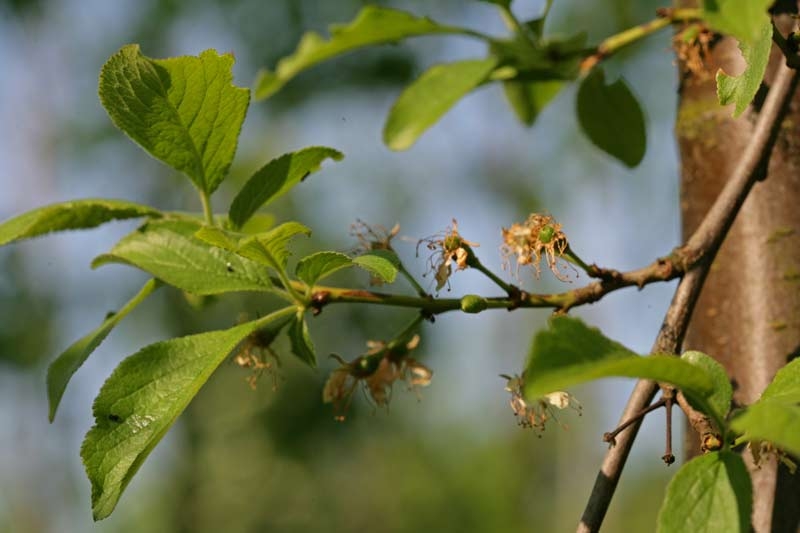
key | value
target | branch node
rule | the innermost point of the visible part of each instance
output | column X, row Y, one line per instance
column 319, row 300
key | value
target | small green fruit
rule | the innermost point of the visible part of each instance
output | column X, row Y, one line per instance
column 546, row 234
column 472, row 303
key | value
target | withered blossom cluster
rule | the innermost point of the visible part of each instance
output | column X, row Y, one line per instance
column 376, row 370
column 372, row 237
column 536, row 413
column 692, row 48
column 539, row 236
column 256, row 354
column 448, row 248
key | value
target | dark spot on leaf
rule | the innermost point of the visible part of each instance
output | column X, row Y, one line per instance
column 305, row 176
column 114, row 418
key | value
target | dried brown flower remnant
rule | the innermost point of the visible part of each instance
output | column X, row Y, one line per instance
column 535, row 414
column 371, row 238
column 375, row 237
column 256, row 354
column 377, row 370
column 692, row 46
column 539, row 235
column 761, row 450
column 447, row 248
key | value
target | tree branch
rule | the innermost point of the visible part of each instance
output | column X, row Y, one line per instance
column 611, row 45
column 700, row 250
column 662, row 269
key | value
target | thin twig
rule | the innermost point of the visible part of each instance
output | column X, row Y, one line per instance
column 662, row 269
column 668, row 457
column 702, row 246
column 614, row 43
column 709, row 436
column 611, row 436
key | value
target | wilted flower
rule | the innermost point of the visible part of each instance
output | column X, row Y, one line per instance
column 535, row 414
column 256, row 354
column 447, row 248
column 539, row 235
column 376, row 370
column 375, row 237
column 761, row 450
column 692, row 47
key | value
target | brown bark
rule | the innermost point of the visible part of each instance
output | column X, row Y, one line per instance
column 748, row 315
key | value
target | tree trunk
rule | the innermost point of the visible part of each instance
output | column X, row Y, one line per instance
column 748, row 314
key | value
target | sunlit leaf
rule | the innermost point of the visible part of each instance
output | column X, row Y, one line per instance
column 771, row 420
column 720, row 400
column 373, row 25
column 383, row 264
column 740, row 90
column 184, row 110
column 271, row 248
column 142, row 398
column 277, row 177
column 785, row 386
column 429, row 97
column 611, row 117
column 65, row 365
column 709, row 494
column 75, row 214
column 743, row 19
column 569, row 352
column 215, row 236
column 776, row 416
column 169, row 251
column 315, row 267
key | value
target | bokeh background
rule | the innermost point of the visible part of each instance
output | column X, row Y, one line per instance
column 264, row 460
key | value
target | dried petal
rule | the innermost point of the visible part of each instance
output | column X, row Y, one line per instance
column 419, row 374
column 335, row 387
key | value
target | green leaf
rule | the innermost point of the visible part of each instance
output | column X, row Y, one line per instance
column 611, row 118
column 184, row 110
column 227, row 240
column 743, row 19
column 65, row 365
column 529, row 99
column 537, row 25
column 502, row 3
column 740, row 90
column 75, row 214
column 300, row 340
column 785, row 386
column 776, row 416
column 720, row 400
column 709, row 494
column 373, row 25
column 169, row 251
column 315, row 267
column 552, row 59
column 772, row 420
column 383, row 264
column 430, row 96
column 271, row 248
column 142, row 398
column 570, row 352
column 277, row 177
